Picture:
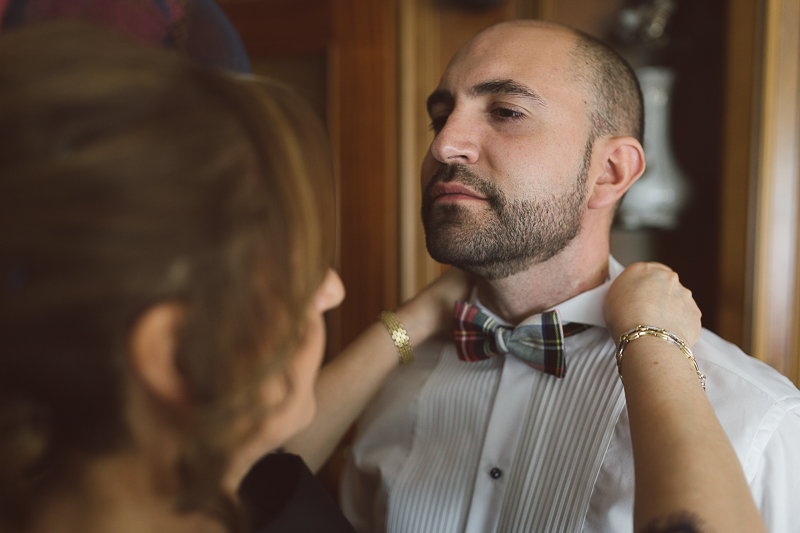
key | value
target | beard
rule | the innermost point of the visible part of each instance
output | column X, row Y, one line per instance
column 507, row 236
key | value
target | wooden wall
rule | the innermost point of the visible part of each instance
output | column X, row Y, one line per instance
column 760, row 296
column 739, row 168
column 776, row 299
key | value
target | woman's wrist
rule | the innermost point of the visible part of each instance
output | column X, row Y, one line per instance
column 652, row 364
column 430, row 312
column 421, row 317
column 640, row 332
column 399, row 336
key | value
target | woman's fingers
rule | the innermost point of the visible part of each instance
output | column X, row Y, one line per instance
column 651, row 294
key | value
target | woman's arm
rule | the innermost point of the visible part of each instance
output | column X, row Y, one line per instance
column 687, row 474
column 351, row 379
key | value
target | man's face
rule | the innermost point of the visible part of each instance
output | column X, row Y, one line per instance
column 504, row 181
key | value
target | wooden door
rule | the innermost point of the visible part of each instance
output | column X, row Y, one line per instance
column 759, row 267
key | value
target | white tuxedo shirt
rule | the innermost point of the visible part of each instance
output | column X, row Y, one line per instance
column 450, row 446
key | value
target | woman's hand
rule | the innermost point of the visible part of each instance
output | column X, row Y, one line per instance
column 651, row 295
column 685, row 467
column 430, row 313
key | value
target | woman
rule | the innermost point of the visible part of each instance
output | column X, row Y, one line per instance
column 162, row 301
column 165, row 249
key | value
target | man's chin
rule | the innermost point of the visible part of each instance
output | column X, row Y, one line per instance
column 450, row 245
column 488, row 270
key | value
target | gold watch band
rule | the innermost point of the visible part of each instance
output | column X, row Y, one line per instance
column 399, row 336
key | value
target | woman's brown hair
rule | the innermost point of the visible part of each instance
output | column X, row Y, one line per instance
column 129, row 177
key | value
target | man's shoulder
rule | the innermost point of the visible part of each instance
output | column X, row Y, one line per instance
column 755, row 404
column 731, row 368
column 759, row 410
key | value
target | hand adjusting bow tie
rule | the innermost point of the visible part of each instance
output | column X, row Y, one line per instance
column 538, row 341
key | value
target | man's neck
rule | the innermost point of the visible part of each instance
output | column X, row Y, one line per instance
column 545, row 285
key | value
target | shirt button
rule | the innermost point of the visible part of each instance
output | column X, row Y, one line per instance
column 495, row 473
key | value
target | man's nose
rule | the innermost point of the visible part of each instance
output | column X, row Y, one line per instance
column 457, row 142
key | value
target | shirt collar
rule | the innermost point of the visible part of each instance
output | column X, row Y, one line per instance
column 585, row 308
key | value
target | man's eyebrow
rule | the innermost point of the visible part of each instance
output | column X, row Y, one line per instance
column 488, row 87
column 505, row 87
column 439, row 96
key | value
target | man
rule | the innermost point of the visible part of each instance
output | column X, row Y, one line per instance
column 538, row 136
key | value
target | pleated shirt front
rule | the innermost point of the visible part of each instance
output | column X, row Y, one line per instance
column 494, row 445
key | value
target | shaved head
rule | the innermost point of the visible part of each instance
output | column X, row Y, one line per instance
column 615, row 104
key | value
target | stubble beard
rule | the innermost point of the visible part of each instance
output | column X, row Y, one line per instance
column 507, row 236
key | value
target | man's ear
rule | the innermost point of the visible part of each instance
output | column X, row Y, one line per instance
column 154, row 351
column 623, row 162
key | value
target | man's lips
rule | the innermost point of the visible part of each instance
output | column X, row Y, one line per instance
column 453, row 192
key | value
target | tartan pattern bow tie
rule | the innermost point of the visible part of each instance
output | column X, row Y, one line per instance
column 538, row 341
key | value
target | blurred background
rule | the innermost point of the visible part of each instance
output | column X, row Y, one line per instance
column 718, row 203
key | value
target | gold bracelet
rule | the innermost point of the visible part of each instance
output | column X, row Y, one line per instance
column 399, row 336
column 641, row 331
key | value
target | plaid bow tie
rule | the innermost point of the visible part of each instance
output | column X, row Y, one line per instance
column 538, row 341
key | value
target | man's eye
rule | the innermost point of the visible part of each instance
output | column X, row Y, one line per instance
column 506, row 113
column 438, row 123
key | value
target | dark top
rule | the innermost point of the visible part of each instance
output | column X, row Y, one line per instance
column 280, row 494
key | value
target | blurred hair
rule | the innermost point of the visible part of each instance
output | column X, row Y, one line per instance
column 199, row 29
column 130, row 177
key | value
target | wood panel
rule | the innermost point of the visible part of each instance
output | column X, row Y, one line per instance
column 419, row 71
column 737, row 217
column 459, row 25
column 363, row 125
column 775, row 320
column 282, row 27
column 793, row 367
